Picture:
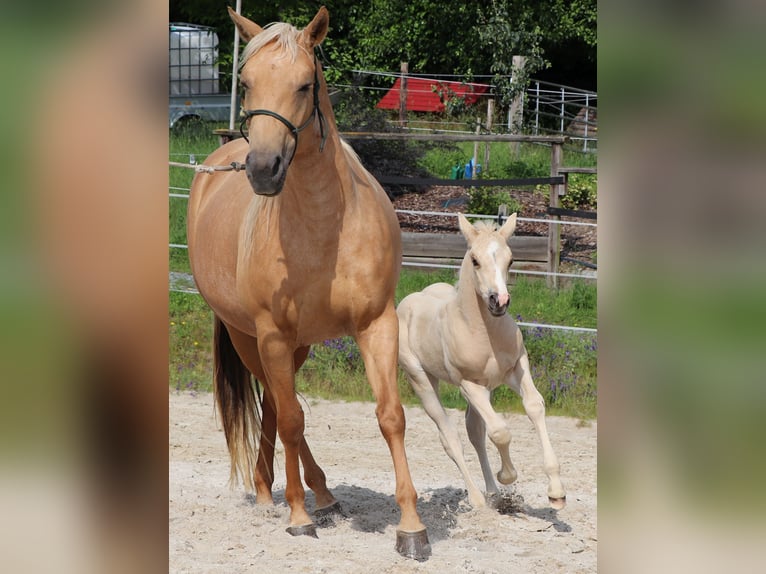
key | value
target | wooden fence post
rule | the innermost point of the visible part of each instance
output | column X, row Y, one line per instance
column 490, row 114
column 476, row 149
column 554, row 229
column 403, row 95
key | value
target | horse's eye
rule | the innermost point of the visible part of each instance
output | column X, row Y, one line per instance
column 475, row 261
column 305, row 88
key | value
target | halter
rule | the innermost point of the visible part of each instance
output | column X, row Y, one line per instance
column 247, row 114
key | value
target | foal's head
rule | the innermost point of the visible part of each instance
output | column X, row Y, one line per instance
column 280, row 80
column 490, row 257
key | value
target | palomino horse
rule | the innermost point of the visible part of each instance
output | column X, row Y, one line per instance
column 303, row 248
column 464, row 336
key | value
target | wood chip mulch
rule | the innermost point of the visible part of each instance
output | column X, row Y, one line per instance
column 577, row 242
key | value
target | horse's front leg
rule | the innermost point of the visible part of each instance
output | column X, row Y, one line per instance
column 278, row 364
column 379, row 346
column 264, row 470
column 478, row 396
column 534, row 405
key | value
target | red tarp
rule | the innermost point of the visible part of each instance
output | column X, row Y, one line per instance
column 421, row 96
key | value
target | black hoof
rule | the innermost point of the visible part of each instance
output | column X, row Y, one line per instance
column 558, row 503
column 413, row 545
column 326, row 516
column 305, row 530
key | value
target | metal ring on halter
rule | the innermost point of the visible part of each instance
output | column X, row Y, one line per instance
column 247, row 114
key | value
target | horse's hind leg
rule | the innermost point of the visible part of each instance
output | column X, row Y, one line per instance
column 534, row 405
column 477, row 434
column 312, row 472
column 264, row 468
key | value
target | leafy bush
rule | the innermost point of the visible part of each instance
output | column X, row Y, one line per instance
column 486, row 201
column 581, row 192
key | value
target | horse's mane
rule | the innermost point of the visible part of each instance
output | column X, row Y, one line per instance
column 285, row 35
column 486, row 226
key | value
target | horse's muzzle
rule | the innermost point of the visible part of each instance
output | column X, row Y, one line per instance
column 496, row 308
column 266, row 172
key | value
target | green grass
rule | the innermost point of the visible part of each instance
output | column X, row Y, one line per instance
column 563, row 364
column 506, row 160
column 199, row 141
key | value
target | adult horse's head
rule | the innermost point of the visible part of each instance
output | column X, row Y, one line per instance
column 280, row 79
column 490, row 258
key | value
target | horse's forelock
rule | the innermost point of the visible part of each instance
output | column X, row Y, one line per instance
column 286, row 36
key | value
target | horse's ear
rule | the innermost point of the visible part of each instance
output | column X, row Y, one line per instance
column 508, row 227
column 247, row 28
column 314, row 33
column 468, row 230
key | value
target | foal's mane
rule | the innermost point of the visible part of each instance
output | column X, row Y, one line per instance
column 485, row 226
column 284, row 34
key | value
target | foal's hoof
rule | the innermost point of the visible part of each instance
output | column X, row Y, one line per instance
column 558, row 503
column 413, row 545
column 326, row 516
column 305, row 530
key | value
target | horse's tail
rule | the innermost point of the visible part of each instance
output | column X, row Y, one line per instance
column 237, row 405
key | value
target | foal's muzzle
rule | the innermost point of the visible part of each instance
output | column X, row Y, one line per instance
column 496, row 308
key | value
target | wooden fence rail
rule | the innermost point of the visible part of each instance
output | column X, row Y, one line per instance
column 530, row 253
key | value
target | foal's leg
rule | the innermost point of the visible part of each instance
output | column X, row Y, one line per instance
column 426, row 387
column 378, row 344
column 534, row 405
column 497, row 429
column 477, row 434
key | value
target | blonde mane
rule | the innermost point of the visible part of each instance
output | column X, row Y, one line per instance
column 486, row 225
column 285, row 35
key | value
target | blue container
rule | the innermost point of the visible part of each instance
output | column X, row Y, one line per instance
column 469, row 170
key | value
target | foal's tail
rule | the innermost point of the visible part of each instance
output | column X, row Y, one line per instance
column 238, row 406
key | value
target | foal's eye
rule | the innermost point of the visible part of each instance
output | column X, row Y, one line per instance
column 305, row 88
column 475, row 261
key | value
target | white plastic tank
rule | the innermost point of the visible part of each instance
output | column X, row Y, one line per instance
column 193, row 60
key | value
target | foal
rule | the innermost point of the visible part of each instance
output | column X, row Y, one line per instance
column 464, row 336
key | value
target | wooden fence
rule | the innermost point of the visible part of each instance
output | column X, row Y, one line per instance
column 434, row 248
column 423, row 250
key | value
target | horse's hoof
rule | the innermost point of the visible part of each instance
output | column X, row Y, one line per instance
column 558, row 503
column 305, row 530
column 326, row 516
column 413, row 545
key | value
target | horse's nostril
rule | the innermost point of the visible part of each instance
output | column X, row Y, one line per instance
column 275, row 167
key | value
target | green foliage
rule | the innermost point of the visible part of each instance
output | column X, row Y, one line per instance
column 487, row 201
column 452, row 37
column 581, row 192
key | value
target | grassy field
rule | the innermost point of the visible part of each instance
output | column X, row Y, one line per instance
column 563, row 363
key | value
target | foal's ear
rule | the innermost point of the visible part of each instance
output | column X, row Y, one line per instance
column 508, row 227
column 468, row 230
column 314, row 33
column 247, row 28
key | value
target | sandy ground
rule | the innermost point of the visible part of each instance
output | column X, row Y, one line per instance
column 217, row 529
